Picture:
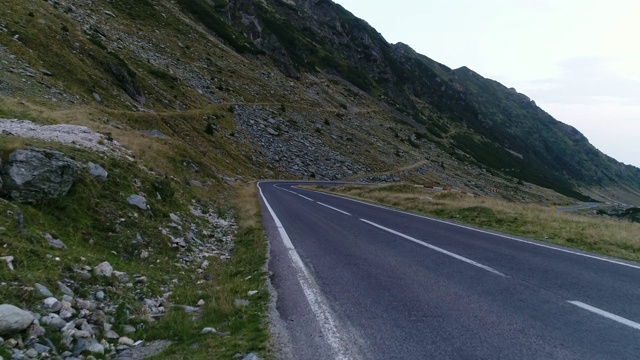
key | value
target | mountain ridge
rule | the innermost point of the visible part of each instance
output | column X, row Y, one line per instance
column 400, row 74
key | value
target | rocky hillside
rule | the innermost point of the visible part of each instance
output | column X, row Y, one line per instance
column 498, row 127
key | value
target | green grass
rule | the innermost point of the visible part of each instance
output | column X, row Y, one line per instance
column 96, row 223
column 245, row 328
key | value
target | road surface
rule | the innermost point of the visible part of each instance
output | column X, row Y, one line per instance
column 356, row 281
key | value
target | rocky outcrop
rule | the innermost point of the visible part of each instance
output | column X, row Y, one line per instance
column 13, row 319
column 291, row 149
column 35, row 175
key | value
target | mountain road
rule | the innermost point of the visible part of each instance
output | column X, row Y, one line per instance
column 360, row 281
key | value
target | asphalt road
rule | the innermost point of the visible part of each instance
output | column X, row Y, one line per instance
column 356, row 281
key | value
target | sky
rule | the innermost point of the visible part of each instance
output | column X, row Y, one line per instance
column 578, row 59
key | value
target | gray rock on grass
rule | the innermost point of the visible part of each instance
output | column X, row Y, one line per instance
column 53, row 242
column 13, row 319
column 97, row 171
column 34, row 175
column 42, row 290
column 103, row 269
column 137, row 200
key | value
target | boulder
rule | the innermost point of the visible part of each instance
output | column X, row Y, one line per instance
column 97, row 171
column 34, row 175
column 137, row 200
column 13, row 319
column 43, row 291
column 53, row 242
column 103, row 269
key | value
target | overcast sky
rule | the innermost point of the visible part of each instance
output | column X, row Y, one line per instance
column 578, row 59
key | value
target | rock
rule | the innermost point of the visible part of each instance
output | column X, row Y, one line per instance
column 98, row 318
column 53, row 242
column 52, row 304
column 103, row 269
column 97, row 171
column 54, row 321
column 9, row 261
column 175, row 218
column 32, row 353
column 121, row 276
column 41, row 349
column 110, row 334
column 109, row 13
column 42, row 290
column 252, row 356
column 35, row 175
column 125, row 341
column 66, row 314
column 100, row 295
column 155, row 133
column 208, row 330
column 80, row 346
column 13, row 319
column 137, row 200
column 82, row 334
column 200, row 303
column 35, row 331
column 128, row 329
column 85, row 304
column 144, row 254
column 65, row 289
column 241, row 302
column 97, row 98
column 11, row 343
column 252, row 292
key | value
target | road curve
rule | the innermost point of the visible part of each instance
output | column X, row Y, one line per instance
column 356, row 281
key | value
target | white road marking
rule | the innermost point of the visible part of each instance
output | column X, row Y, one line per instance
column 612, row 261
column 606, row 314
column 432, row 247
column 311, row 291
column 293, row 192
column 332, row 208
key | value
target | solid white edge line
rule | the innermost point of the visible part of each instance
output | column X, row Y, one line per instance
column 488, row 232
column 332, row 208
column 432, row 247
column 312, row 293
column 606, row 314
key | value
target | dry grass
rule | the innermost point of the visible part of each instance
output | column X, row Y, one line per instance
column 587, row 232
column 247, row 205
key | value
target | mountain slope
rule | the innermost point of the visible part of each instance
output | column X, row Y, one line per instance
column 267, row 88
column 506, row 129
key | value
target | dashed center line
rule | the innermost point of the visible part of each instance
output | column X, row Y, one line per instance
column 332, row 208
column 432, row 247
column 606, row 314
